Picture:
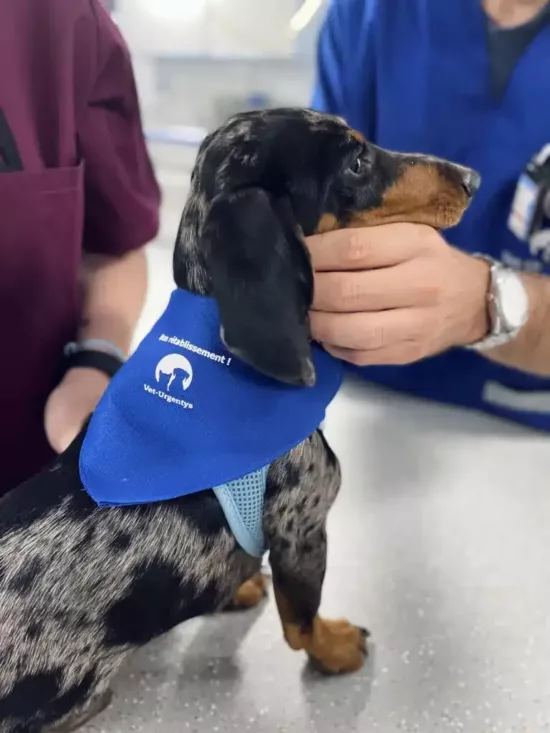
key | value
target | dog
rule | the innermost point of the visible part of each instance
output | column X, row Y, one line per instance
column 82, row 587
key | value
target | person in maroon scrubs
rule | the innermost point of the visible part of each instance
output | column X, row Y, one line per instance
column 78, row 200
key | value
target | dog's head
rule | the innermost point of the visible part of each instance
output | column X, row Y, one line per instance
column 265, row 180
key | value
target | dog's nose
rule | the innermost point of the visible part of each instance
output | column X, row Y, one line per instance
column 471, row 182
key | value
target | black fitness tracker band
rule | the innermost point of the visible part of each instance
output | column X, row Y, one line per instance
column 89, row 359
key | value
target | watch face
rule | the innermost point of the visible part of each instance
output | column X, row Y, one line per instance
column 513, row 300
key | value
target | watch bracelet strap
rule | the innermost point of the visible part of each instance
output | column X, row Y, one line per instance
column 90, row 359
column 492, row 340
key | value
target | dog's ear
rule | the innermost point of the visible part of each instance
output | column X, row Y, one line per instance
column 262, row 280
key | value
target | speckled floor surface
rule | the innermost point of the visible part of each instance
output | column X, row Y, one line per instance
column 439, row 543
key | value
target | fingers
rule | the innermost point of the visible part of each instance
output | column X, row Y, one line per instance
column 367, row 248
column 381, row 293
column 366, row 331
column 373, row 290
column 396, row 355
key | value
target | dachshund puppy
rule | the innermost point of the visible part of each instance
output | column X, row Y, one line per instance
column 82, row 586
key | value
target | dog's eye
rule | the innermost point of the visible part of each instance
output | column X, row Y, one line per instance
column 358, row 166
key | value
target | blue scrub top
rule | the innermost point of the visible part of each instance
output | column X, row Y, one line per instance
column 414, row 75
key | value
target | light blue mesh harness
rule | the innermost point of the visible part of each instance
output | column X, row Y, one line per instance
column 242, row 502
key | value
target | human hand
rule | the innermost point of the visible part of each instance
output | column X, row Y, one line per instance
column 394, row 294
column 70, row 405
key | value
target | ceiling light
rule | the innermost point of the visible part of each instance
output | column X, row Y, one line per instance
column 305, row 15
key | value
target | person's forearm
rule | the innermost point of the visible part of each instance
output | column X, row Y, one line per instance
column 530, row 351
column 114, row 294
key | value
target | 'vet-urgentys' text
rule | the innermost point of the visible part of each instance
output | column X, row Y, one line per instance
column 168, row 398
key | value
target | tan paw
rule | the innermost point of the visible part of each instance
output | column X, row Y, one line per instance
column 250, row 594
column 337, row 647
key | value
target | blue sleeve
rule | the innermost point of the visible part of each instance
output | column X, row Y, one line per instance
column 345, row 77
column 328, row 92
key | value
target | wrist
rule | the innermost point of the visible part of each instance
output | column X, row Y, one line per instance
column 508, row 303
column 477, row 320
column 88, row 376
column 98, row 355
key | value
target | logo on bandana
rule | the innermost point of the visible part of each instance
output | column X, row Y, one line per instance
column 175, row 367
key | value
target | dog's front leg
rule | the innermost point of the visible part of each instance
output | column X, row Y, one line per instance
column 298, row 566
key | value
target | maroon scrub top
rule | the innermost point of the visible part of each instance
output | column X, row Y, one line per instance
column 74, row 176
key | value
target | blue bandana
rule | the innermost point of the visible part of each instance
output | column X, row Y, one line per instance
column 183, row 415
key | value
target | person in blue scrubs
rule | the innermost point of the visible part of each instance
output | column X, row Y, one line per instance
column 416, row 310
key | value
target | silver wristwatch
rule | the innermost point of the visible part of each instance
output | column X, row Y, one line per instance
column 507, row 304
